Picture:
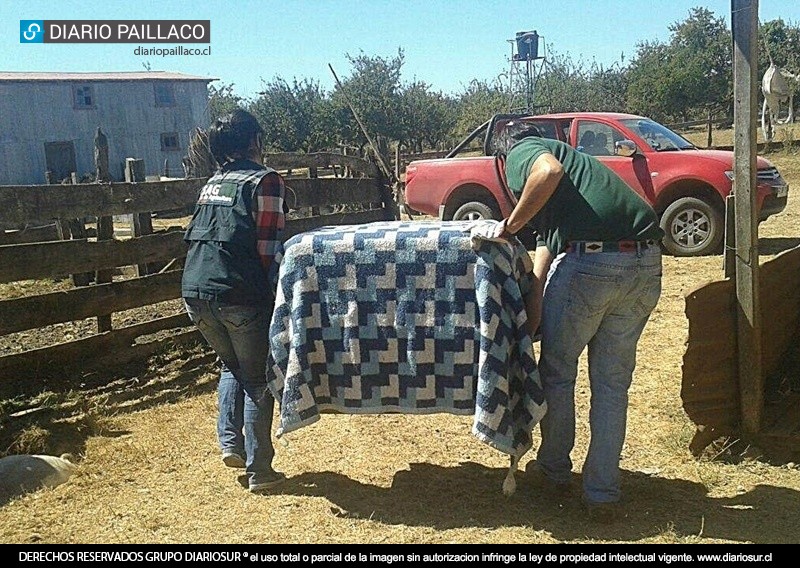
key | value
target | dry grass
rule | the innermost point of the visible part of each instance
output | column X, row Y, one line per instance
column 150, row 470
column 784, row 135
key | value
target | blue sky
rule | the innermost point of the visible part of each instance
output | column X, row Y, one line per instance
column 446, row 42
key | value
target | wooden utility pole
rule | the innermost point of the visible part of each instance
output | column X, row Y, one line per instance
column 744, row 18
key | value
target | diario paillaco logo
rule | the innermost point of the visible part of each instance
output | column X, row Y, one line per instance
column 31, row 31
column 115, row 31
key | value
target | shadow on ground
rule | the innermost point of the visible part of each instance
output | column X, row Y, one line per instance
column 60, row 422
column 469, row 495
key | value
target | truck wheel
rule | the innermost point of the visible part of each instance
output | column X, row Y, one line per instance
column 473, row 211
column 692, row 227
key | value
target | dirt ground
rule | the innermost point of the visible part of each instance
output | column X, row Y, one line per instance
column 150, row 472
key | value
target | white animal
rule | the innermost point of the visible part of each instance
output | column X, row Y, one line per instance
column 776, row 90
column 25, row 472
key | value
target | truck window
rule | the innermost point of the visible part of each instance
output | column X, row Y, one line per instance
column 546, row 127
column 597, row 138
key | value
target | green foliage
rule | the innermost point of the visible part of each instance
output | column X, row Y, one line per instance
column 373, row 90
column 479, row 101
column 295, row 117
column 688, row 77
column 425, row 117
column 568, row 86
column 781, row 41
column 222, row 100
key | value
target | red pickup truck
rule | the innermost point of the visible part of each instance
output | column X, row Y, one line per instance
column 687, row 186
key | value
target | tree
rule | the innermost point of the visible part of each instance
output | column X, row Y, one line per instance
column 781, row 42
column 425, row 117
column 373, row 89
column 568, row 85
column 477, row 103
column 294, row 117
column 690, row 77
column 703, row 44
column 222, row 101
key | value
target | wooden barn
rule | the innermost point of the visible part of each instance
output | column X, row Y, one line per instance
column 48, row 121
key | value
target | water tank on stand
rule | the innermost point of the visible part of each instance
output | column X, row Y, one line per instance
column 527, row 46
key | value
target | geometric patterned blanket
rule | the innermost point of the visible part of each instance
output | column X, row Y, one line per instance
column 406, row 316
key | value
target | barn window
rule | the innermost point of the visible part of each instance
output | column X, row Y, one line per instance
column 83, row 96
column 169, row 141
column 165, row 96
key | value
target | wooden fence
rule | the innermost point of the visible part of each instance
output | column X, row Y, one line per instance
column 710, row 384
column 26, row 370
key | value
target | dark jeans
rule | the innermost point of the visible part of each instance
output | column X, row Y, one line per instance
column 239, row 336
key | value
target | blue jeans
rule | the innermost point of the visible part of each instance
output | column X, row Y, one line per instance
column 602, row 300
column 239, row 336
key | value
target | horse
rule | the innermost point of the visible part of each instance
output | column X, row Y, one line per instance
column 776, row 90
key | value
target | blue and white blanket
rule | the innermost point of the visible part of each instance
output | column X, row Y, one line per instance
column 410, row 317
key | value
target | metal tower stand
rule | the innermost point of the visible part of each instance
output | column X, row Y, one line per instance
column 526, row 65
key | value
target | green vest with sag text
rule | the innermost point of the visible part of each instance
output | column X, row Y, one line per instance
column 223, row 263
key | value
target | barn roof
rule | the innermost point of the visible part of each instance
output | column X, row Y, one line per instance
column 112, row 76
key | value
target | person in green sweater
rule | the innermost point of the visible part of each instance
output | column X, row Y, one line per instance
column 598, row 274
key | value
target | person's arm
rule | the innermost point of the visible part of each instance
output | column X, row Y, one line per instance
column 268, row 213
column 533, row 301
column 540, row 185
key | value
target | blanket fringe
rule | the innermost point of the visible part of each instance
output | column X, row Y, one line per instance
column 510, row 484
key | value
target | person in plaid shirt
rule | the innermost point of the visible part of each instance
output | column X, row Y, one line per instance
column 228, row 287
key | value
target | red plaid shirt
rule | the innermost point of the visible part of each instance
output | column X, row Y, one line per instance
column 270, row 220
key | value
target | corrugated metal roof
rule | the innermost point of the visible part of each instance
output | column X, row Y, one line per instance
column 112, row 76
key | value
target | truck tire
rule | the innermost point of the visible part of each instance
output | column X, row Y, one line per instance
column 693, row 227
column 473, row 211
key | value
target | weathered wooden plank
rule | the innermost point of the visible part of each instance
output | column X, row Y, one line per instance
column 19, row 314
column 30, row 235
column 780, row 307
column 716, row 296
column 709, row 388
column 715, row 389
column 23, row 262
column 721, row 345
column 20, row 204
column 788, row 422
column 779, row 406
column 79, row 352
column 288, row 160
column 296, row 226
column 314, row 192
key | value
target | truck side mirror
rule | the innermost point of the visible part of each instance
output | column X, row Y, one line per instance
column 625, row 148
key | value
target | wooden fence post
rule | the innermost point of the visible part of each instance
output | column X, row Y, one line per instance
column 141, row 223
column 105, row 224
column 312, row 174
column 74, row 229
column 62, row 224
column 397, row 167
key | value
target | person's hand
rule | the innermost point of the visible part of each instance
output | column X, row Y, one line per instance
column 501, row 230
